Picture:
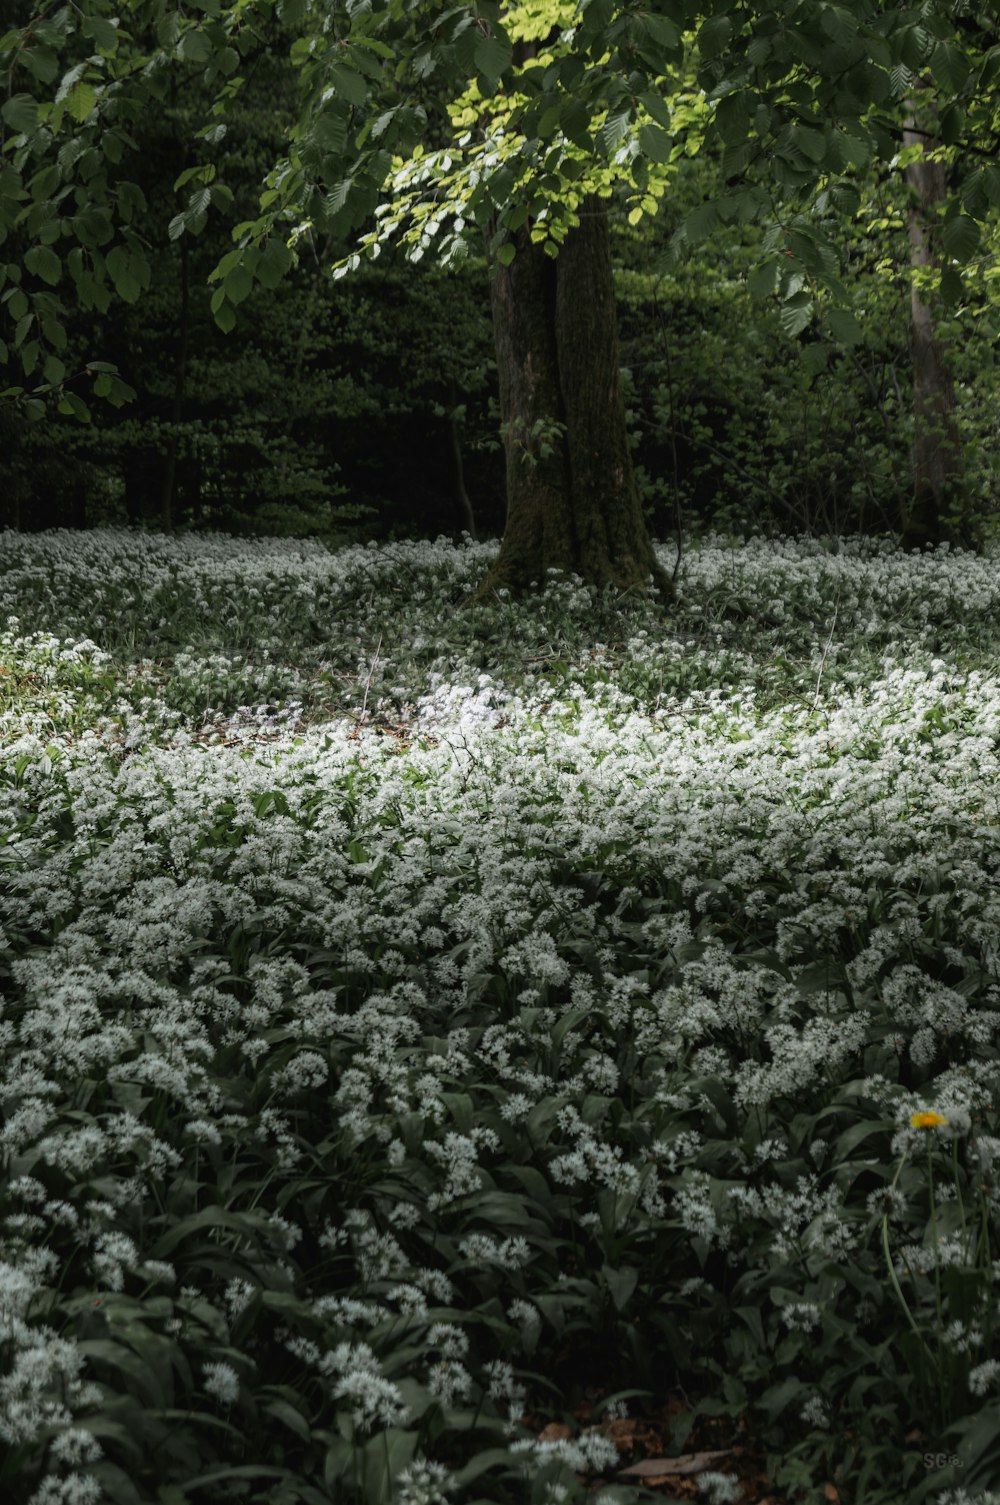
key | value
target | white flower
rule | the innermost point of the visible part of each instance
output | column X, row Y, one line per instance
column 73, row 1489
column 720, row 1489
column 423, row 1482
column 984, row 1376
column 74, row 1445
column 222, row 1382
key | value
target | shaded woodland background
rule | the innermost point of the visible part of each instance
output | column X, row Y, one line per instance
column 367, row 408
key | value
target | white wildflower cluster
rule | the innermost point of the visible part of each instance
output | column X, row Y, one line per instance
column 509, row 1253
column 966, row 1497
column 595, row 927
column 423, row 1482
column 720, row 1489
column 590, row 1453
column 529, row 1322
column 448, row 1378
column 42, row 1385
column 984, row 1377
column 460, row 1155
column 221, row 1382
column 354, row 1375
column 816, row 1412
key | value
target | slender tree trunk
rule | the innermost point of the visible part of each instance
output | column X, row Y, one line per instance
column 572, row 503
column 458, row 466
column 168, row 484
column 937, row 451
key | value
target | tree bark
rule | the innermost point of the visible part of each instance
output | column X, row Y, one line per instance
column 458, row 465
column 937, row 450
column 572, row 503
column 168, row 484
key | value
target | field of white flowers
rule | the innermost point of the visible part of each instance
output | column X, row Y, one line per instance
column 431, row 1036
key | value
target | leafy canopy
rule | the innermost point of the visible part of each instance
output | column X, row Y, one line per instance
column 470, row 117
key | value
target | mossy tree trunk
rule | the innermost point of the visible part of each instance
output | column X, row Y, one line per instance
column 572, row 502
column 938, row 479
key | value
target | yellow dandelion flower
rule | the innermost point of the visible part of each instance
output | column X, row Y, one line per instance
column 929, row 1120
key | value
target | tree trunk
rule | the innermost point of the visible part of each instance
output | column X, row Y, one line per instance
column 457, row 464
column 937, row 451
column 572, row 503
column 168, row 483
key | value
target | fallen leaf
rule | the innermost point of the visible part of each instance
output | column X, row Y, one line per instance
column 556, row 1431
column 831, row 1493
column 685, row 1463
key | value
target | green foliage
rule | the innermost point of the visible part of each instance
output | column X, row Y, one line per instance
column 619, row 954
column 797, row 108
column 755, row 404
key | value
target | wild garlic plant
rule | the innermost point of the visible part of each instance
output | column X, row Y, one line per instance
column 374, row 1085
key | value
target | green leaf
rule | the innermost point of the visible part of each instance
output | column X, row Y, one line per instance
column 960, row 236
column 952, row 286
column 714, row 36
column 915, row 44
column 846, row 198
column 492, row 56
column 900, row 80
column 614, row 129
column 238, row 284
column 700, row 223
column 854, row 150
column 225, row 317
column 54, row 333
column 657, row 107
column 194, row 46
column 815, row 357
column 293, row 1418
column 763, row 280
column 950, row 67
column 274, row 263
column 103, row 32
column 655, row 143
column 245, row 1471
column 116, row 1486
column 198, row 202
column 43, row 263
column 621, row 1284
column 20, row 112
column 732, row 119
column 811, row 143
column 506, row 253
column 81, row 100
column 844, row 326
column 348, row 84
column 72, row 406
column 796, row 314
column 951, row 124
column 663, row 33
column 41, row 62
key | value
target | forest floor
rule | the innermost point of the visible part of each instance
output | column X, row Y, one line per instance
column 539, row 1052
